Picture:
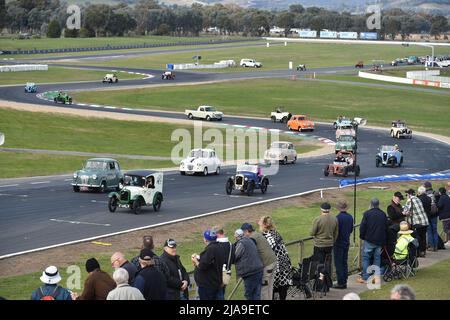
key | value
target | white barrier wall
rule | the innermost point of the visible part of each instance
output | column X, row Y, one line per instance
column 24, row 67
column 380, row 77
column 216, row 65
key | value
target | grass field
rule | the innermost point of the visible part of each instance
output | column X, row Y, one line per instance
column 10, row 43
column 69, row 133
column 57, row 75
column 293, row 222
column 323, row 101
column 278, row 56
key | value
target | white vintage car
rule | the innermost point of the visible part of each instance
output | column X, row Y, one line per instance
column 280, row 116
column 202, row 161
column 110, row 78
column 345, row 128
column 281, row 151
column 141, row 188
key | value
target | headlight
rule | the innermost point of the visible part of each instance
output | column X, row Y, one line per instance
column 75, row 175
column 246, row 179
column 94, row 177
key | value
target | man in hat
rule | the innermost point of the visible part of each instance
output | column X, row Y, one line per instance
column 444, row 212
column 395, row 209
column 147, row 243
column 268, row 258
column 342, row 244
column 98, row 283
column 325, row 231
column 373, row 230
column 417, row 218
column 404, row 239
column 149, row 280
column 208, row 268
column 178, row 277
column 51, row 290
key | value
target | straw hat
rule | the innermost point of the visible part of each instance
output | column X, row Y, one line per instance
column 404, row 228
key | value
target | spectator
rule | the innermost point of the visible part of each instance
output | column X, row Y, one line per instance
column 51, row 290
column 283, row 271
column 444, row 212
column 404, row 239
column 227, row 250
column 177, row 286
column 248, row 265
column 208, row 268
column 403, row 292
column 118, row 261
column 268, row 258
column 149, row 280
column 147, row 243
column 395, row 209
column 325, row 232
column 429, row 205
column 98, row 283
column 342, row 244
column 417, row 218
column 123, row 290
column 351, row 296
column 373, row 230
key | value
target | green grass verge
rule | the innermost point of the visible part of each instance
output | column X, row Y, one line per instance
column 430, row 283
column 57, row 75
column 278, row 56
column 323, row 101
column 293, row 222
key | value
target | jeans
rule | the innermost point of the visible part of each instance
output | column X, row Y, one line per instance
column 267, row 281
column 433, row 233
column 221, row 294
column 209, row 293
column 341, row 264
column 252, row 286
column 370, row 251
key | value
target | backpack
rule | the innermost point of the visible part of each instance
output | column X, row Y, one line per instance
column 434, row 208
column 48, row 297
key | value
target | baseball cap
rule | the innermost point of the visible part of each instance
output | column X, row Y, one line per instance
column 399, row 195
column 410, row 191
column 146, row 254
column 239, row 233
column 247, row 226
column 325, row 206
column 170, row 243
column 427, row 185
column 210, row 235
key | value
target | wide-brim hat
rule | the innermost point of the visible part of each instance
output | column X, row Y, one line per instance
column 405, row 232
column 50, row 275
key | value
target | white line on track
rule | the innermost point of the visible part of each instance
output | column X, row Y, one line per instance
column 97, row 201
column 9, row 185
column 81, row 222
column 67, row 180
column 40, row 182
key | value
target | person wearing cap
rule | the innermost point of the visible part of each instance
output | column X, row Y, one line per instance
column 123, row 290
column 227, row 252
column 118, row 261
column 444, row 212
column 208, row 268
column 283, row 276
column 149, row 280
column 248, row 265
column 50, row 290
column 373, row 230
column 268, row 258
column 147, row 243
column 177, row 285
column 395, row 209
column 404, row 239
column 325, row 230
column 342, row 245
column 98, row 283
column 417, row 218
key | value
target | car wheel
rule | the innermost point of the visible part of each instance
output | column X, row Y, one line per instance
column 117, row 80
column 273, row 119
column 377, row 162
column 284, row 120
column 401, row 162
column 299, row 129
column 205, row 171
column 55, row 100
column 183, row 173
column 285, row 160
column 190, row 116
column 392, row 134
column 326, row 171
column 264, row 185
column 103, row 187
column 397, row 135
column 76, row 189
column 136, row 206
column 345, row 174
column 289, row 127
column 229, row 186
column 217, row 171
column 112, row 204
column 393, row 162
column 208, row 118
column 250, row 188
column 295, row 160
column 157, row 203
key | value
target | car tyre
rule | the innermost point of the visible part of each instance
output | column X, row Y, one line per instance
column 229, row 186
column 285, row 160
column 183, row 173
column 217, row 171
column 190, row 116
column 273, row 119
column 377, row 162
column 295, row 160
column 103, row 187
column 208, row 118
column 326, row 171
column 157, row 203
column 112, row 204
column 136, row 206
column 205, row 171
column 76, row 189
column 264, row 185
column 250, row 188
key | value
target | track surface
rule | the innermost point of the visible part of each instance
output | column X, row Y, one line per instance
column 43, row 211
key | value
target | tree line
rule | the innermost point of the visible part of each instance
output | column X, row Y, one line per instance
column 148, row 17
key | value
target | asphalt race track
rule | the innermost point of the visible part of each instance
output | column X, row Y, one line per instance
column 43, row 211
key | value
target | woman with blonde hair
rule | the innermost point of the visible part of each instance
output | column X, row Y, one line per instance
column 283, row 271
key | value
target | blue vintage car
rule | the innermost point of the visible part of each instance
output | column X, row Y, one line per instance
column 247, row 179
column 389, row 156
column 30, row 87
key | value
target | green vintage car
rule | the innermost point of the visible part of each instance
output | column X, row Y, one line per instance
column 345, row 143
column 63, row 98
column 98, row 174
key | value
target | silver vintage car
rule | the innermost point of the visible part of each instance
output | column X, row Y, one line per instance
column 98, row 174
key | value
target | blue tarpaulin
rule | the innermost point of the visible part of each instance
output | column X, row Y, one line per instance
column 395, row 178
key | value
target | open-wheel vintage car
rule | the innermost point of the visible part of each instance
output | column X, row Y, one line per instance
column 343, row 164
column 248, row 178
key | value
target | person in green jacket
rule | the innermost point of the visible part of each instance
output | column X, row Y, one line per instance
column 404, row 239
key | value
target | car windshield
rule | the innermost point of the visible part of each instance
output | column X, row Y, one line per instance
column 346, row 127
column 247, row 168
column 279, row 145
column 301, row 118
column 199, row 154
column 211, row 109
column 98, row 165
column 346, row 138
column 399, row 124
column 135, row 181
column 387, row 148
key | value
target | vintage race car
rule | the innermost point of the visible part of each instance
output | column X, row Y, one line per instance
column 98, row 174
column 280, row 116
column 63, row 98
column 110, row 78
column 345, row 128
column 281, row 151
column 247, row 178
column 339, row 121
column 141, row 188
column 345, row 143
column 389, row 156
column 202, row 161
column 301, row 67
column 399, row 130
column 359, row 64
column 300, row 123
column 168, row 75
column 343, row 164
column 30, row 87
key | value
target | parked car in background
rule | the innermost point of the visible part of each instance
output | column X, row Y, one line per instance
column 300, row 123
column 98, row 174
column 281, row 151
column 250, row 63
column 30, row 87
column 202, row 161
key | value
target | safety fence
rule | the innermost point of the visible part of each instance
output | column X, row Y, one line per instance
column 428, row 75
column 24, row 67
